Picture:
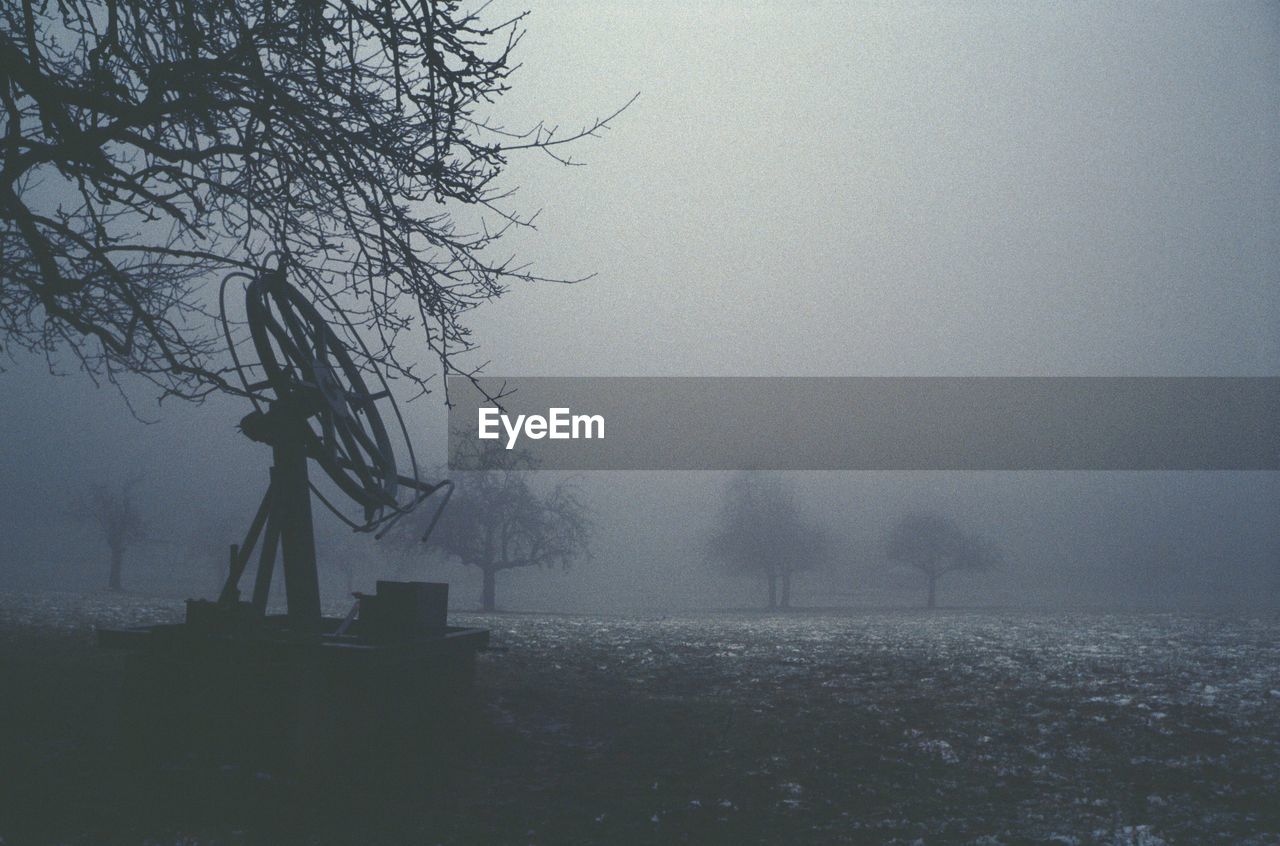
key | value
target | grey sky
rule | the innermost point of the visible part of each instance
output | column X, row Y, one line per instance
column 952, row 189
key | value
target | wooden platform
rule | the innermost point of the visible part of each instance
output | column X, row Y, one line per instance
column 319, row 704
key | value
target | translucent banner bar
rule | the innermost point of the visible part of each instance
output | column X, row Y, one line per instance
column 869, row 423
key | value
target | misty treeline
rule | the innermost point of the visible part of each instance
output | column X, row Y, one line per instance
column 150, row 149
column 762, row 531
column 546, row 539
column 507, row 517
column 511, row 516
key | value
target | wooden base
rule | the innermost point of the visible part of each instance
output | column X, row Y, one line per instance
column 319, row 704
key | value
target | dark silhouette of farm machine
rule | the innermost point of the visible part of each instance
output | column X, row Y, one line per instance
column 299, row 686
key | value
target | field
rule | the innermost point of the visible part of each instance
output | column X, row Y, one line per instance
column 861, row 727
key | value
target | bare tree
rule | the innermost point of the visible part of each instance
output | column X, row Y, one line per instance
column 760, row 531
column 148, row 148
column 116, row 515
column 935, row 546
column 498, row 520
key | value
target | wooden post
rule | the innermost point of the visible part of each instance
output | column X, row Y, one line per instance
column 266, row 560
column 291, row 512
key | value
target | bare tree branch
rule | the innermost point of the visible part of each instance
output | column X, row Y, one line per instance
column 148, row 149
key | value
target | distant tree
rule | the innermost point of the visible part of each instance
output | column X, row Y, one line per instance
column 935, row 546
column 116, row 515
column 152, row 147
column 760, row 531
column 498, row 520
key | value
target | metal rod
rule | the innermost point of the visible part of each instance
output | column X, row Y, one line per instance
column 416, row 484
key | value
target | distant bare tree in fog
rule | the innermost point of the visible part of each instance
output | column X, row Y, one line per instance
column 497, row 520
column 116, row 515
column 150, row 148
column 935, row 546
column 760, row 531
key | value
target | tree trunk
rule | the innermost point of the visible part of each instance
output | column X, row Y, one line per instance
column 786, row 589
column 933, row 592
column 117, row 563
column 487, row 594
column 773, row 591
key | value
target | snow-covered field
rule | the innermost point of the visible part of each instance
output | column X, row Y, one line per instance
column 872, row 727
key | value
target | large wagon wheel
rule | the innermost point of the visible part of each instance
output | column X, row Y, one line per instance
column 314, row 403
column 307, row 365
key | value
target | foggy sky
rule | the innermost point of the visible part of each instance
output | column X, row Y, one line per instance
column 832, row 189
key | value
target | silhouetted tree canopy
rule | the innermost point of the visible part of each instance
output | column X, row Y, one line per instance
column 149, row 148
column 761, row 531
column 935, row 546
column 498, row 520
